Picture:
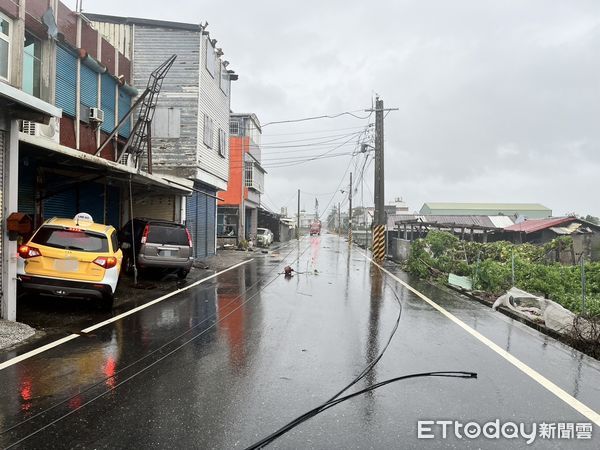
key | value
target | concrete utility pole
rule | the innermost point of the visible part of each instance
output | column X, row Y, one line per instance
column 379, row 218
column 350, row 212
column 298, row 218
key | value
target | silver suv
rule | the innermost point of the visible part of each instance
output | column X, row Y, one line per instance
column 158, row 244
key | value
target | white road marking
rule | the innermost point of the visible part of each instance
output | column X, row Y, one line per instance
column 58, row 342
column 37, row 351
column 533, row 374
column 160, row 299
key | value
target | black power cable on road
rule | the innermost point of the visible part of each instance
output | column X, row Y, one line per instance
column 336, row 399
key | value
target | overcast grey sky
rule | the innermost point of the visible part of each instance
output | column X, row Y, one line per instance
column 499, row 101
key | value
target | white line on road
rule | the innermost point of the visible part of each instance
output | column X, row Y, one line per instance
column 533, row 374
column 58, row 342
column 37, row 351
column 160, row 299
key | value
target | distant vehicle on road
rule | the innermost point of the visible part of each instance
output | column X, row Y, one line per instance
column 315, row 228
column 264, row 237
column 158, row 244
column 71, row 258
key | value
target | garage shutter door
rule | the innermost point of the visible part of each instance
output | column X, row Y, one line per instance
column 211, row 208
column 91, row 200
column 201, row 221
column 66, row 81
column 156, row 207
column 63, row 204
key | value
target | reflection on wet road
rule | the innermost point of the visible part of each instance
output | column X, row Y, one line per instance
column 227, row 362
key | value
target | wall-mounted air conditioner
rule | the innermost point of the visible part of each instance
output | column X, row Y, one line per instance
column 50, row 131
column 96, row 115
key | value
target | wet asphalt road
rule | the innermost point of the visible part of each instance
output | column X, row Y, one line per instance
column 227, row 362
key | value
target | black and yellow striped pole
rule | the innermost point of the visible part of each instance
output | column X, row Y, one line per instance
column 379, row 242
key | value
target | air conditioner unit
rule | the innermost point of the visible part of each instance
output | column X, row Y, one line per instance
column 50, row 131
column 96, row 115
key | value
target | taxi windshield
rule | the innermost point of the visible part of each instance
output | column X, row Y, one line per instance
column 68, row 239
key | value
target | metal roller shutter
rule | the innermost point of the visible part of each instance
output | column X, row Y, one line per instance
column 91, row 200
column 113, row 206
column 63, row 204
column 89, row 87
column 156, row 207
column 66, row 81
column 124, row 107
column 211, row 225
column 109, row 85
column 202, row 225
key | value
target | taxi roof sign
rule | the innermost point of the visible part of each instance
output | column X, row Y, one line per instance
column 83, row 217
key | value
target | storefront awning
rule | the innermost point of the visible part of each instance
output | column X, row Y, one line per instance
column 21, row 105
column 111, row 168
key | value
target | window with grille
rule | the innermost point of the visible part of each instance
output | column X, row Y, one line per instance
column 249, row 173
column 234, row 128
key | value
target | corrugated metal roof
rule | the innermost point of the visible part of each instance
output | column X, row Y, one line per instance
column 140, row 21
column 484, row 206
column 533, row 225
column 458, row 221
column 501, row 221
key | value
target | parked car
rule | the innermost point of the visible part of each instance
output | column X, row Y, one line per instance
column 71, row 258
column 158, row 244
column 264, row 237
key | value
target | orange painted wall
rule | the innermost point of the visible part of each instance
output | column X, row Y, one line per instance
column 233, row 195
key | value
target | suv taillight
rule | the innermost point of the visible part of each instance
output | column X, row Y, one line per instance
column 145, row 234
column 25, row 251
column 106, row 262
column 189, row 237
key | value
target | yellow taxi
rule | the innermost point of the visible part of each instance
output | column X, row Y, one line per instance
column 71, row 258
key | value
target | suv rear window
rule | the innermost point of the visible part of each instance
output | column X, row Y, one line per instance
column 82, row 241
column 164, row 234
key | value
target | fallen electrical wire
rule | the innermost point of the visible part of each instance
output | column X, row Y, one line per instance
column 336, row 399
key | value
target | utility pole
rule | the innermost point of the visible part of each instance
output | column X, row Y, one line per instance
column 379, row 218
column 350, row 212
column 339, row 219
column 298, row 218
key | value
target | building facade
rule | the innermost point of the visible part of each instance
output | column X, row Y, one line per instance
column 239, row 204
column 73, row 87
column 190, row 126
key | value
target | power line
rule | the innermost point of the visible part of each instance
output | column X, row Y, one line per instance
column 336, row 136
column 349, row 113
column 314, row 131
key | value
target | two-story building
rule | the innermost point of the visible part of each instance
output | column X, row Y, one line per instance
column 191, row 121
column 238, row 210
